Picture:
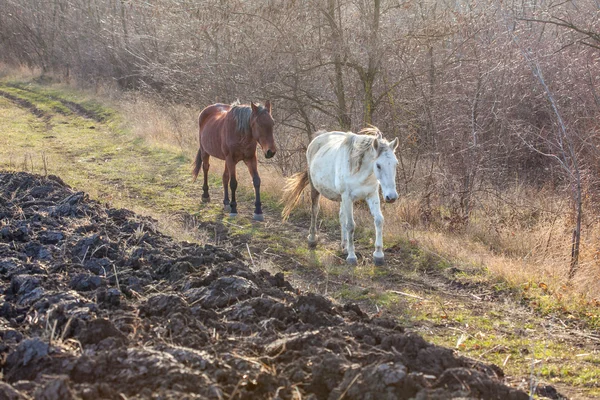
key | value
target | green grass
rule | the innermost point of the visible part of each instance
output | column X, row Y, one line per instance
column 42, row 101
column 492, row 336
column 50, row 96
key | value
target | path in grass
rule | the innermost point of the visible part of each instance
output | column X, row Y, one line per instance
column 62, row 133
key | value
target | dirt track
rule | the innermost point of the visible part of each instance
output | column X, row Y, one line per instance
column 96, row 304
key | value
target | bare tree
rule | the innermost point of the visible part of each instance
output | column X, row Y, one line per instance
column 561, row 148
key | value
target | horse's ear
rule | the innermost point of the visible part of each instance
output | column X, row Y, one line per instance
column 394, row 144
column 254, row 107
column 268, row 106
column 376, row 144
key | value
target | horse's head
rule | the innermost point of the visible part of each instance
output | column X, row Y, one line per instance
column 261, row 124
column 384, row 167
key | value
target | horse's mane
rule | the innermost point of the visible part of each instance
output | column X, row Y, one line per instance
column 241, row 113
column 371, row 130
column 360, row 144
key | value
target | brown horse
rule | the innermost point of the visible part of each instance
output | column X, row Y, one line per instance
column 231, row 133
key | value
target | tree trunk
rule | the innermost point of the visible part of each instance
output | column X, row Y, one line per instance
column 336, row 37
column 577, row 231
column 373, row 66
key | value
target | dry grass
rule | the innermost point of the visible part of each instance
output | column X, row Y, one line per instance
column 162, row 124
column 18, row 72
column 524, row 238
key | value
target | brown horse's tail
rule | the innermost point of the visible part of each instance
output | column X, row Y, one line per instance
column 197, row 165
column 198, row 162
column 294, row 186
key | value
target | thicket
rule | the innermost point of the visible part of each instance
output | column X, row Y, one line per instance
column 486, row 96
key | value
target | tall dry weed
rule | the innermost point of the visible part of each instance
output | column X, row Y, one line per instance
column 162, row 123
column 18, row 72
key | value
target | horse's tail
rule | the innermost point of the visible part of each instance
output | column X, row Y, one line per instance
column 198, row 162
column 294, row 186
column 197, row 165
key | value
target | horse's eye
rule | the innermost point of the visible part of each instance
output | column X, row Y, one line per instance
column 378, row 166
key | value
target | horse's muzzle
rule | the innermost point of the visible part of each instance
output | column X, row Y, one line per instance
column 269, row 154
column 389, row 199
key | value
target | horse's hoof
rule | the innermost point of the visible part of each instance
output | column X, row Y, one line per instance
column 227, row 208
column 351, row 261
column 233, row 214
column 378, row 261
column 312, row 244
column 206, row 199
column 258, row 217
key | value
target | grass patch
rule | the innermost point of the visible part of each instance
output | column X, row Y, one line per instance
column 43, row 102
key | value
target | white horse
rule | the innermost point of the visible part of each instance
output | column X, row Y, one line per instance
column 346, row 167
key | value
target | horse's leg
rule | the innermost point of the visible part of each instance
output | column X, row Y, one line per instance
column 205, row 167
column 252, row 165
column 312, row 232
column 344, row 232
column 230, row 164
column 226, row 205
column 348, row 206
column 375, row 207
